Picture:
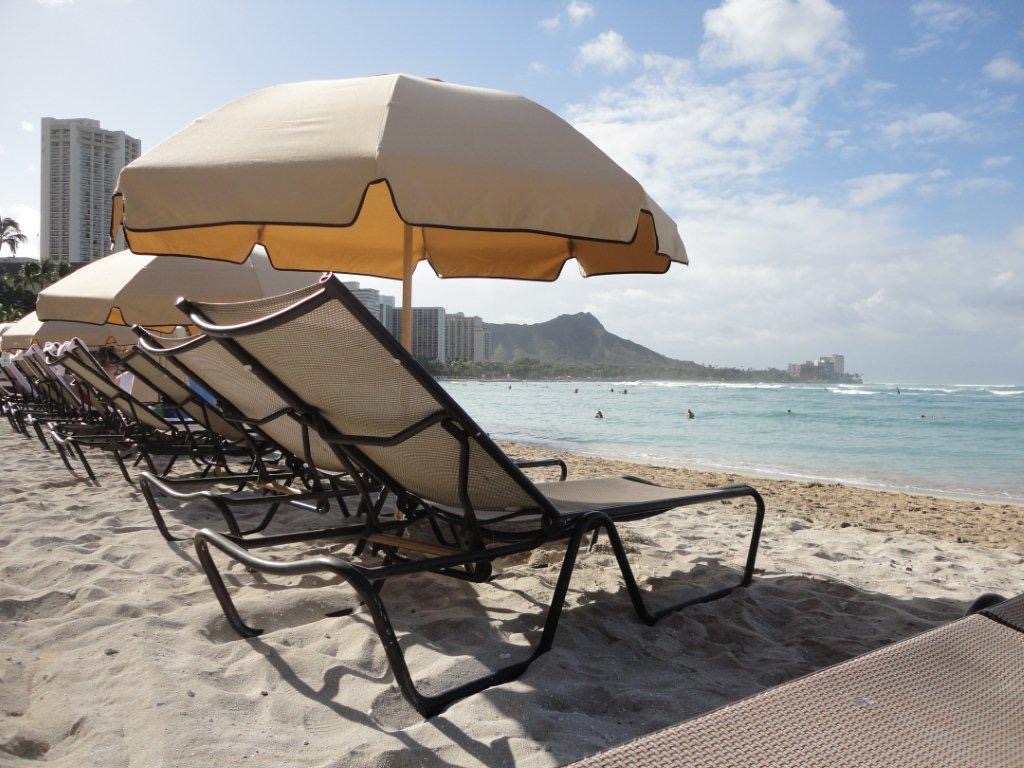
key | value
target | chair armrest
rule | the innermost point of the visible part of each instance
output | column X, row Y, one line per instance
column 527, row 463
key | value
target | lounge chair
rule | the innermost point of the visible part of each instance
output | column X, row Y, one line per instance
column 133, row 427
column 251, row 411
column 340, row 373
column 953, row 697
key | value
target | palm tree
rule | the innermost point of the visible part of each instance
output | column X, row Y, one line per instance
column 11, row 234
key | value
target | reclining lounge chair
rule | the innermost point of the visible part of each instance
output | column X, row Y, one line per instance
column 340, row 373
column 245, row 408
column 952, row 697
column 136, row 427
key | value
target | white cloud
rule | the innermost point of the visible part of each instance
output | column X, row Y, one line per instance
column 769, row 33
column 971, row 185
column 539, row 67
column 926, row 127
column 867, row 190
column 579, row 11
column 54, row 3
column 935, row 19
column 1005, row 68
column 997, row 162
column 607, row 51
column 1003, row 278
column 670, row 128
column 941, row 15
column 27, row 126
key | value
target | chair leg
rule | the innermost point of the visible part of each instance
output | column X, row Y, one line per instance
column 650, row 618
column 154, row 508
column 360, row 581
column 364, row 586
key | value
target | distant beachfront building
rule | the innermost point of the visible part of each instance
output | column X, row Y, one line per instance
column 826, row 367
column 381, row 306
column 80, row 164
column 836, row 361
column 466, row 338
column 428, row 332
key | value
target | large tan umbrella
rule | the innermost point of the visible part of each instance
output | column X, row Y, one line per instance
column 371, row 175
column 31, row 330
column 127, row 288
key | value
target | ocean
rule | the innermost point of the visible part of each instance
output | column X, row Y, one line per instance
column 964, row 440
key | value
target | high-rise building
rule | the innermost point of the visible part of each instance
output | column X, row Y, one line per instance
column 428, row 332
column 80, row 164
column 466, row 338
column 381, row 306
column 838, row 363
column 388, row 314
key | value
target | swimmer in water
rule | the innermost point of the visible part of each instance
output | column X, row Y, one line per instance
column 625, row 392
column 598, row 415
column 690, row 414
column 898, row 389
column 789, row 410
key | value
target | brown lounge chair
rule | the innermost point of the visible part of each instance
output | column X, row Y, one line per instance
column 346, row 379
column 952, row 697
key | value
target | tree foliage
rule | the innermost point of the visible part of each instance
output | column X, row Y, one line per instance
column 19, row 287
column 10, row 234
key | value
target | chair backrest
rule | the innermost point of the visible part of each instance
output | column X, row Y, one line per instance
column 16, row 376
column 42, row 358
column 327, row 355
column 237, row 389
column 79, row 360
column 178, row 393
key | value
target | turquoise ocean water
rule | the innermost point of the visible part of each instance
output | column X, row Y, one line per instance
column 970, row 443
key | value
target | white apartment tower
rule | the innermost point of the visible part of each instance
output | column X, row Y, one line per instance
column 466, row 338
column 428, row 332
column 381, row 306
column 80, row 164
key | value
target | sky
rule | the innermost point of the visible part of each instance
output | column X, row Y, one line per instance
column 846, row 177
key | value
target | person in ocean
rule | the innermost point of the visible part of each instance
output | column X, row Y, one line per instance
column 898, row 389
column 625, row 392
column 598, row 415
column 690, row 414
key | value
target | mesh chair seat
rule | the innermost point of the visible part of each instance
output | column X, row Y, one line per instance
column 950, row 697
column 590, row 494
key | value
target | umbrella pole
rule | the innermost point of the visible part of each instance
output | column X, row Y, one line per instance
column 408, row 265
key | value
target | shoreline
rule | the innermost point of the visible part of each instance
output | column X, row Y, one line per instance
column 767, row 474
column 829, row 504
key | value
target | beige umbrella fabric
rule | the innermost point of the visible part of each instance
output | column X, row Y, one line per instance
column 127, row 288
column 370, row 175
column 31, row 330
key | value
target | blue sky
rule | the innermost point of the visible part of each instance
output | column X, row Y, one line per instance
column 846, row 177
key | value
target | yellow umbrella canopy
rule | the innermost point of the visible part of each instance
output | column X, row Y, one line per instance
column 31, row 330
column 372, row 175
column 327, row 174
column 127, row 288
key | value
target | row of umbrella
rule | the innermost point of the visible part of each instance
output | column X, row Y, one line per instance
column 365, row 176
column 99, row 302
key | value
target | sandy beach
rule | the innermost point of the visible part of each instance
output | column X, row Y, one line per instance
column 113, row 651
